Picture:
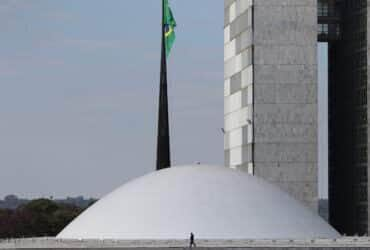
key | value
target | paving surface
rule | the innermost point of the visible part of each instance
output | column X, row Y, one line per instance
column 52, row 243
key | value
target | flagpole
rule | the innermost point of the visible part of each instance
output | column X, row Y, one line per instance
column 163, row 134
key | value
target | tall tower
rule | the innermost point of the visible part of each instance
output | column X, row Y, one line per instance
column 271, row 99
column 271, row 92
column 344, row 24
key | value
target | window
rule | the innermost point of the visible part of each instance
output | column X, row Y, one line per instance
column 323, row 8
column 323, row 29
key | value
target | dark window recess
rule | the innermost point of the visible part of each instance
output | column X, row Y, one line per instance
column 329, row 13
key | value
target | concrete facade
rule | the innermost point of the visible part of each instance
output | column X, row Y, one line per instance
column 271, row 92
column 238, row 84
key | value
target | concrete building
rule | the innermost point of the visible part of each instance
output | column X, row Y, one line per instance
column 344, row 25
column 271, row 92
column 271, row 99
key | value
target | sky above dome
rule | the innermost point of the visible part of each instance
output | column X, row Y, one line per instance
column 79, row 89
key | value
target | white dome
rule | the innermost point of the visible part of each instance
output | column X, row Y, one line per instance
column 212, row 202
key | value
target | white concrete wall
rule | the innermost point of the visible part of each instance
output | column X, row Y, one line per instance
column 238, row 84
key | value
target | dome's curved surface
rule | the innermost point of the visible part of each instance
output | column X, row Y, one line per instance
column 212, row 202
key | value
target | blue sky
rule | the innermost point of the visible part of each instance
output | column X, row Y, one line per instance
column 323, row 143
column 79, row 88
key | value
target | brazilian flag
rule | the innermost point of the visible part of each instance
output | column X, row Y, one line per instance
column 169, row 27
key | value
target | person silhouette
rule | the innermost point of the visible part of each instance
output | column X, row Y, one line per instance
column 192, row 241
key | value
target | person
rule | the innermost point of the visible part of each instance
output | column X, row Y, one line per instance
column 192, row 241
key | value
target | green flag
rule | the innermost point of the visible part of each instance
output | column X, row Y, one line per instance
column 169, row 27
